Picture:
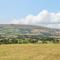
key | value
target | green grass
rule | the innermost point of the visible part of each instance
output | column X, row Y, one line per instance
column 30, row 52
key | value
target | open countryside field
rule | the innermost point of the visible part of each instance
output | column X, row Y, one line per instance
column 30, row 52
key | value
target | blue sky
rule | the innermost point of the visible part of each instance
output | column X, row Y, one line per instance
column 16, row 9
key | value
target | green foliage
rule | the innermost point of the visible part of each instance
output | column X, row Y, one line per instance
column 24, row 39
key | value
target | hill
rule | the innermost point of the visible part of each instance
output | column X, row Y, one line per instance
column 15, row 29
column 17, row 34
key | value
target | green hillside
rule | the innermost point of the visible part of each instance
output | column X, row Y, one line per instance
column 27, row 33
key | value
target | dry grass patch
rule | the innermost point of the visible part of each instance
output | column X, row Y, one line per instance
column 30, row 52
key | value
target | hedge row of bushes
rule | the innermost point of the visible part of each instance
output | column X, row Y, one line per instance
column 25, row 39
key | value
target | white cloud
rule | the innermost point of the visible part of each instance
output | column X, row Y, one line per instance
column 44, row 18
column 14, row 21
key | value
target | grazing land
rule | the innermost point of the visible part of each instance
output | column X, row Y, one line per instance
column 30, row 52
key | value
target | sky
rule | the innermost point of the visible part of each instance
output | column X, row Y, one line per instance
column 34, row 12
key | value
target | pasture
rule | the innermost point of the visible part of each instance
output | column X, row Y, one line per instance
column 30, row 52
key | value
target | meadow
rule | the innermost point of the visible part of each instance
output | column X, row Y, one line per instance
column 30, row 52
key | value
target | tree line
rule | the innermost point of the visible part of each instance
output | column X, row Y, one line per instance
column 25, row 39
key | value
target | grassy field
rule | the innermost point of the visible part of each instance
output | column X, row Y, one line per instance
column 30, row 52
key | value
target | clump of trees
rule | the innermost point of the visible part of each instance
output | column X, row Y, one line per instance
column 25, row 39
